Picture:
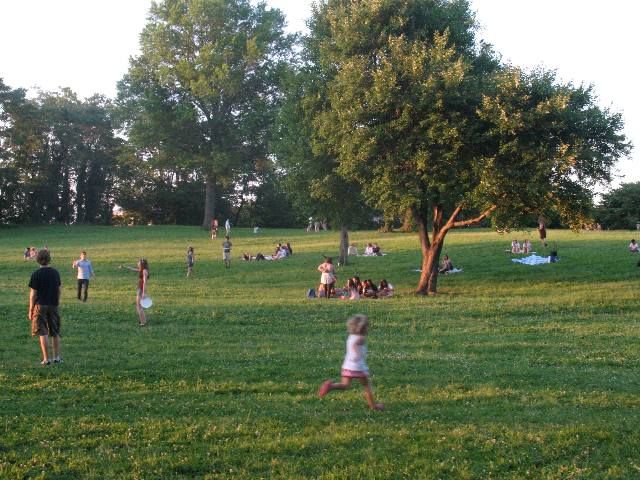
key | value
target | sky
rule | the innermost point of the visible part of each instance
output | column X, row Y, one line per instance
column 86, row 45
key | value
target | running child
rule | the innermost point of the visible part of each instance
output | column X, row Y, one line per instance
column 355, row 362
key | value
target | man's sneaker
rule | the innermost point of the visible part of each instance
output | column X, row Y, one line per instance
column 44, row 363
column 57, row 360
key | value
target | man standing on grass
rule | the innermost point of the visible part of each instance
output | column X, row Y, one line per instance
column 85, row 272
column 44, row 298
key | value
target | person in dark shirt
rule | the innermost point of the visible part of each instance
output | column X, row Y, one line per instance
column 44, row 298
column 226, row 251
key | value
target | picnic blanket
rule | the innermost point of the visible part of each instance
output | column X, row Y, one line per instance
column 532, row 260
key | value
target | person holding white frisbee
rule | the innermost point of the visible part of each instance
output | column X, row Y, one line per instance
column 141, row 293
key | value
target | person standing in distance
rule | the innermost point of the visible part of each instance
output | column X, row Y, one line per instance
column 227, row 227
column 191, row 258
column 142, row 269
column 85, row 272
column 214, row 228
column 226, row 252
column 44, row 299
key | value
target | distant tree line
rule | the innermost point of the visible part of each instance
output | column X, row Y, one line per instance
column 620, row 208
column 58, row 158
column 389, row 108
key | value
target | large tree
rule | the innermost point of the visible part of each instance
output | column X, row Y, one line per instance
column 200, row 91
column 425, row 118
column 620, row 208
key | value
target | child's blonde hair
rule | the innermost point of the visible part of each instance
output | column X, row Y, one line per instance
column 357, row 324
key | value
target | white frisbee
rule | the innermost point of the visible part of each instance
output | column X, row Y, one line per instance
column 146, row 302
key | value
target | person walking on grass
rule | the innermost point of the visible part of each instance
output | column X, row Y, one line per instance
column 141, row 292
column 355, row 362
column 85, row 272
column 44, row 299
column 226, row 252
column 191, row 258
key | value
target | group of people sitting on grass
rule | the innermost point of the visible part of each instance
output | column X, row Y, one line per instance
column 281, row 251
column 355, row 289
column 30, row 253
column 516, row 247
column 370, row 250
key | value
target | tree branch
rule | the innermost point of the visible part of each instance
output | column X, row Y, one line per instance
column 452, row 219
column 478, row 219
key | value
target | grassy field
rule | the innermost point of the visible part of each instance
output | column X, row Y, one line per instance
column 511, row 372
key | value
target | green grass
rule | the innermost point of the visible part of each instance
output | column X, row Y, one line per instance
column 511, row 372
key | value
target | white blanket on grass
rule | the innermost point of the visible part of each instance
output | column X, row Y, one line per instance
column 532, row 260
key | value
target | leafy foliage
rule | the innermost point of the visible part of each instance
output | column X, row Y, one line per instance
column 200, row 93
column 57, row 155
column 620, row 208
column 425, row 118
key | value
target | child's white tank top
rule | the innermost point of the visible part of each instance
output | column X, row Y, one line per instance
column 356, row 355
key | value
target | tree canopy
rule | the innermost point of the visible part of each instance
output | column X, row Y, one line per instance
column 426, row 118
column 57, row 158
column 202, row 90
column 386, row 106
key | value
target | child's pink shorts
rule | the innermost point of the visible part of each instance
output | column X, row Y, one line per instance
column 353, row 373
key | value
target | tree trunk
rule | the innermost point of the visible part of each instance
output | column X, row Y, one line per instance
column 344, row 245
column 407, row 224
column 436, row 250
column 385, row 228
column 431, row 249
column 209, row 201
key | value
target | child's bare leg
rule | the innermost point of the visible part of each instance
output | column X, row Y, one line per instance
column 142, row 318
column 368, row 395
column 344, row 384
column 327, row 386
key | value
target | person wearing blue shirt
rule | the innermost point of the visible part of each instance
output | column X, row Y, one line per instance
column 85, row 272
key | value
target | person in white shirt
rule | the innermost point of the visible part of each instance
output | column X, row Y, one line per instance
column 355, row 362
column 85, row 272
column 633, row 246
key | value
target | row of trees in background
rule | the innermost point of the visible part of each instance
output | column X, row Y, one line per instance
column 392, row 107
column 57, row 158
